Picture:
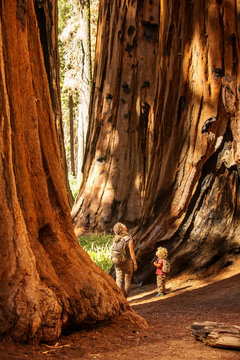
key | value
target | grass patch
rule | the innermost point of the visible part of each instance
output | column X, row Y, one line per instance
column 74, row 186
column 99, row 249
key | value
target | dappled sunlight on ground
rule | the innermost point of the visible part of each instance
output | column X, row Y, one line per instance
column 179, row 285
column 190, row 298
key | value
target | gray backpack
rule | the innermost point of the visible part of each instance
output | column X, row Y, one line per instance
column 119, row 251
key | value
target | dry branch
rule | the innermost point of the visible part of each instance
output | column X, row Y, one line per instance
column 217, row 334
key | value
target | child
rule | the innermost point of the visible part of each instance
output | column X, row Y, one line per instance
column 162, row 266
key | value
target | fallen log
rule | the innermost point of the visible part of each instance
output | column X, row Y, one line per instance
column 217, row 334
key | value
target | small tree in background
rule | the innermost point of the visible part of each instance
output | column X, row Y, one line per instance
column 77, row 28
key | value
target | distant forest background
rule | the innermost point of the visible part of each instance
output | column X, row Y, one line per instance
column 77, row 26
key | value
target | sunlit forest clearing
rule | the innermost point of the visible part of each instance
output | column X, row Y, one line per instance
column 119, row 112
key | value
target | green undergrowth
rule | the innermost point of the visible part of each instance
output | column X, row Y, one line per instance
column 98, row 247
column 74, row 186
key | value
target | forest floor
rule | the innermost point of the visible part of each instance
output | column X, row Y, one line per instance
column 189, row 299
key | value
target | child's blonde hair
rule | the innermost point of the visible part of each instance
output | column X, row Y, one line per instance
column 162, row 253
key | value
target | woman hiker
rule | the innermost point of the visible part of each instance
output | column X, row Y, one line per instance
column 123, row 257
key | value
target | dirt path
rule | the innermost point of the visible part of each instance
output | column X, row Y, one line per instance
column 189, row 299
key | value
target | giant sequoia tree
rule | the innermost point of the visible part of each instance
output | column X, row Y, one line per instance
column 163, row 149
column 120, row 138
column 47, row 282
column 46, row 12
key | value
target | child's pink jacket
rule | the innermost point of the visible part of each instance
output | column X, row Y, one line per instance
column 159, row 271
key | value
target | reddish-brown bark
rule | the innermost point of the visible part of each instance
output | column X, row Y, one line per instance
column 119, row 142
column 47, row 14
column 47, row 281
column 163, row 145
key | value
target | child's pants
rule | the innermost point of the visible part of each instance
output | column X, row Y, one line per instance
column 124, row 276
column 161, row 280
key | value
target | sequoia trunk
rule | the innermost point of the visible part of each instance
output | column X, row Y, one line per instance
column 163, row 148
column 47, row 281
column 47, row 14
column 117, row 153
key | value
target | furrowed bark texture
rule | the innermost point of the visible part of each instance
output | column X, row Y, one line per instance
column 47, row 282
column 47, row 14
column 118, row 147
column 164, row 158
column 192, row 204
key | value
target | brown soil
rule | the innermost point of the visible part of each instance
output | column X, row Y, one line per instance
column 190, row 299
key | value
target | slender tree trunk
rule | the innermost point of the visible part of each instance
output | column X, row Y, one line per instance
column 71, row 124
column 47, row 282
column 85, row 85
column 47, row 14
column 163, row 144
column 82, row 131
column 88, row 17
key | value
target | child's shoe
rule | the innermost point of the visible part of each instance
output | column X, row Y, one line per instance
column 160, row 294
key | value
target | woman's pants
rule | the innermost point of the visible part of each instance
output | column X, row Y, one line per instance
column 124, row 273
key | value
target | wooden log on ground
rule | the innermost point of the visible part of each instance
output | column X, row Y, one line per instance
column 217, row 334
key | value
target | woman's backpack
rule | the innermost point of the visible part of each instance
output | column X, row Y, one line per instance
column 119, row 251
column 166, row 266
